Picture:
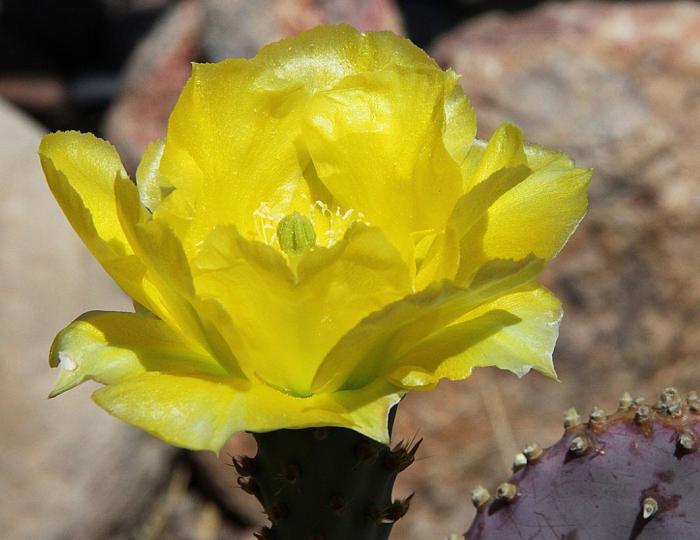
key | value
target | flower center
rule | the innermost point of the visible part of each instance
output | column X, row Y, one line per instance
column 295, row 232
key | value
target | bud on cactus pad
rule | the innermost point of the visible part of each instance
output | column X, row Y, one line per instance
column 325, row 484
column 634, row 474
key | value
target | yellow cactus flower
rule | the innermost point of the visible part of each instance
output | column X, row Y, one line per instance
column 319, row 233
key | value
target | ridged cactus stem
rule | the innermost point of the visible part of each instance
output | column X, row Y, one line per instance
column 325, row 484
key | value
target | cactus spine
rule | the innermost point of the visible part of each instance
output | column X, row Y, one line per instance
column 634, row 474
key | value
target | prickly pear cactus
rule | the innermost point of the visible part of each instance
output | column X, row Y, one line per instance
column 634, row 474
column 325, row 484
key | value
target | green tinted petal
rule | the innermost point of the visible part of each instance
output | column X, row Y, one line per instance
column 108, row 347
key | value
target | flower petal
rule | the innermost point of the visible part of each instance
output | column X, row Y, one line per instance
column 284, row 324
column 373, row 347
column 200, row 412
column 460, row 125
column 537, row 216
column 107, row 347
column 376, row 141
column 504, row 149
column 169, row 272
column 452, row 252
column 231, row 145
column 516, row 332
column 80, row 170
column 319, row 58
column 148, row 180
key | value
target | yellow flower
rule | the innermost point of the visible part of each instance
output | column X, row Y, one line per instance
column 318, row 233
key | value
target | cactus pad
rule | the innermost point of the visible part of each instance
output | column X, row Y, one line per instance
column 634, row 474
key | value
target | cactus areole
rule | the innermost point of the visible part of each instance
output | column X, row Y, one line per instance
column 631, row 475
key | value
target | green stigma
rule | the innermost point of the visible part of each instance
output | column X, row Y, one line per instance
column 295, row 233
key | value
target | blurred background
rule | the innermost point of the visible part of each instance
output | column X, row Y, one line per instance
column 614, row 84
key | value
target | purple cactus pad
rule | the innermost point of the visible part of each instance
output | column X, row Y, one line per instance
column 632, row 475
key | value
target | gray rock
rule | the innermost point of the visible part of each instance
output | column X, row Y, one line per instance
column 67, row 469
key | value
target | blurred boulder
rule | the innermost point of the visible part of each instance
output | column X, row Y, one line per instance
column 67, row 469
column 616, row 85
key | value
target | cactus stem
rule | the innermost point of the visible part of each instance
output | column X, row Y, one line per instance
column 337, row 504
column 366, row 453
column 571, row 418
column 532, row 451
column 519, row 461
column 320, row 433
column 649, row 507
column 506, row 492
column 291, row 472
column 325, row 483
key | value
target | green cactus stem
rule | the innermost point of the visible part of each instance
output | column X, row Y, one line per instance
column 632, row 475
column 325, row 484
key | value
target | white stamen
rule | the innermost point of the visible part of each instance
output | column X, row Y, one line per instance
column 324, row 208
column 66, row 362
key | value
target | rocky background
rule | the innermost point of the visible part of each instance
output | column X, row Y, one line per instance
column 617, row 85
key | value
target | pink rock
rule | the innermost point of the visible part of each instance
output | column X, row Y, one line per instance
column 153, row 80
column 238, row 28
